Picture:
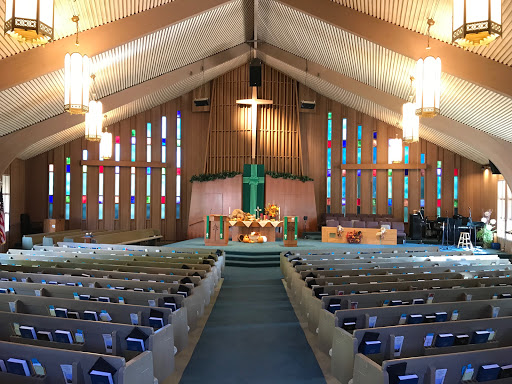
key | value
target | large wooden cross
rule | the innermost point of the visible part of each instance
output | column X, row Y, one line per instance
column 254, row 102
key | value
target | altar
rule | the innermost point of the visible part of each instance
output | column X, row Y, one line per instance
column 217, row 229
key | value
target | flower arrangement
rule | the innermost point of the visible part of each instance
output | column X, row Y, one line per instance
column 339, row 230
column 382, row 232
column 486, row 233
column 354, row 237
column 271, row 210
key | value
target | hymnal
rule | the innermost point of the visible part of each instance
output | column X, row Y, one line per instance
column 135, row 340
column 441, row 317
column 480, row 337
column 461, row 339
column 408, row 379
column 349, row 325
column 90, row 315
column 67, row 371
column 505, row 371
column 102, row 372
column 18, row 367
column 84, row 297
column 45, row 335
column 415, row 319
column 63, row 336
column 430, row 318
column 488, row 372
column 395, row 302
column 444, row 340
column 73, row 315
column 61, row 312
column 156, row 322
column 104, row 299
column 28, row 332
column 371, row 347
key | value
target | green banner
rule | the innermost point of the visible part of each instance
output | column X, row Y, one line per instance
column 221, row 233
column 253, row 188
column 285, row 224
column 207, row 227
column 296, row 227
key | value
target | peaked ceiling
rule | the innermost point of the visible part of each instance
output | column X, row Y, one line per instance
column 219, row 34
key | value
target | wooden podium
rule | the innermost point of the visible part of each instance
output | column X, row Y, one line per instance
column 290, row 231
column 216, row 230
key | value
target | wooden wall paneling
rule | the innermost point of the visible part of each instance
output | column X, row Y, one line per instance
column 36, row 180
column 382, row 158
column 124, row 175
column 92, row 187
column 17, row 202
column 156, row 173
column 58, row 182
column 447, row 175
column 367, row 124
column 75, row 208
column 170, row 207
column 398, row 180
column 431, row 180
column 352, row 121
column 336, row 158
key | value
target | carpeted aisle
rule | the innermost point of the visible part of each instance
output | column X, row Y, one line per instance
column 252, row 335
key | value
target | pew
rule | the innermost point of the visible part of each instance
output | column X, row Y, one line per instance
column 160, row 343
column 136, row 371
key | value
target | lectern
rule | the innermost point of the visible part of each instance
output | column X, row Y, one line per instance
column 216, row 231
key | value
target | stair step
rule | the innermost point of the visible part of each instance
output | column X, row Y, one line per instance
column 252, row 264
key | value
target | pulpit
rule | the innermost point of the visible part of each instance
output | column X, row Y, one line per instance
column 216, row 230
column 290, row 231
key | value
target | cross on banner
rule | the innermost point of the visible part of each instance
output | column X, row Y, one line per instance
column 253, row 187
column 254, row 102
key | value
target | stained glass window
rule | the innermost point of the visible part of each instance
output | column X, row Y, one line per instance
column 456, row 191
column 164, row 159
column 100, row 193
column 148, row 171
column 50, row 190
column 85, row 156
column 344, row 171
column 390, row 191
column 178, row 164
column 117, row 149
column 133, row 145
column 132, row 193
column 406, row 185
column 329, row 141
column 439, row 183
column 358, row 180
column 374, row 173
column 68, row 188
column 422, row 183
column 117, row 155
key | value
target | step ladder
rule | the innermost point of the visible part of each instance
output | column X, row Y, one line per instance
column 465, row 240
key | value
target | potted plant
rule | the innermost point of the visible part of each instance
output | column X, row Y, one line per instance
column 486, row 233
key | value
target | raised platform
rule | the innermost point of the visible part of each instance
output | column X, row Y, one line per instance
column 267, row 254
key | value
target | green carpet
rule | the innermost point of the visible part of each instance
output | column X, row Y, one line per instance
column 252, row 335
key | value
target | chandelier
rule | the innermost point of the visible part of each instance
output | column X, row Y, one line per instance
column 106, row 145
column 29, row 21
column 476, row 22
column 410, row 122
column 395, row 150
column 77, row 68
column 428, row 83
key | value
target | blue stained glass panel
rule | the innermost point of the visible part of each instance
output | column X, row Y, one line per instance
column 343, row 201
column 439, row 187
column 328, row 173
column 67, row 212
column 162, row 213
column 328, row 158
column 50, row 211
column 406, row 172
column 148, row 170
column 390, row 202
column 84, row 211
column 132, row 199
column 50, row 199
column 375, row 134
column 374, row 155
column 422, row 158
column 455, row 187
column 359, row 132
column 116, row 211
column 358, row 155
column 358, row 172
column 177, row 211
column 344, row 144
column 132, row 211
column 329, row 129
column 344, row 156
column 406, row 214
column 148, row 211
column 406, row 154
column 374, row 187
column 100, row 212
column 178, row 200
column 422, row 203
column 68, row 168
column 163, row 141
column 343, row 187
column 406, row 187
column 133, row 152
column 328, row 187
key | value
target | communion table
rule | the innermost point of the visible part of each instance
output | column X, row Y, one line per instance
column 217, row 229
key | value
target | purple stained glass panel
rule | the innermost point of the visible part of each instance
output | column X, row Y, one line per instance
column 358, row 172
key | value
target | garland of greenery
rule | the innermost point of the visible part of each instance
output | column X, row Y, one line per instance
column 286, row 175
column 213, row 176
column 227, row 175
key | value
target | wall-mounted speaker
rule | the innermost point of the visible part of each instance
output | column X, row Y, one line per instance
column 494, row 169
column 255, row 73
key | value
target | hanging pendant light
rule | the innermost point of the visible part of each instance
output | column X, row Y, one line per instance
column 30, row 21
column 106, row 145
column 77, row 69
column 410, row 122
column 476, row 22
column 94, row 118
column 395, row 150
column 428, row 83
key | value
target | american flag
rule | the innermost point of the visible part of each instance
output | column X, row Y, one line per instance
column 2, row 219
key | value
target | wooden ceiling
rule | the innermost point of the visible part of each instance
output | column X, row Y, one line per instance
column 371, row 43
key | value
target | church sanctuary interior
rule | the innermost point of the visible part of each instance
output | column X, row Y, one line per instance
column 255, row 191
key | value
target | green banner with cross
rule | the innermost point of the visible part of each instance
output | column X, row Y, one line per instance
column 253, row 190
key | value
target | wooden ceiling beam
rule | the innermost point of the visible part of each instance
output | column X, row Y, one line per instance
column 15, row 143
column 35, row 62
column 456, row 61
column 495, row 149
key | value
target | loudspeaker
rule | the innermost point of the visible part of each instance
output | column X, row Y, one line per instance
column 494, row 169
column 255, row 73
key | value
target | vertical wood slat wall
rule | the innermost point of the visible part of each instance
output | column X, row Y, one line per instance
column 278, row 136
